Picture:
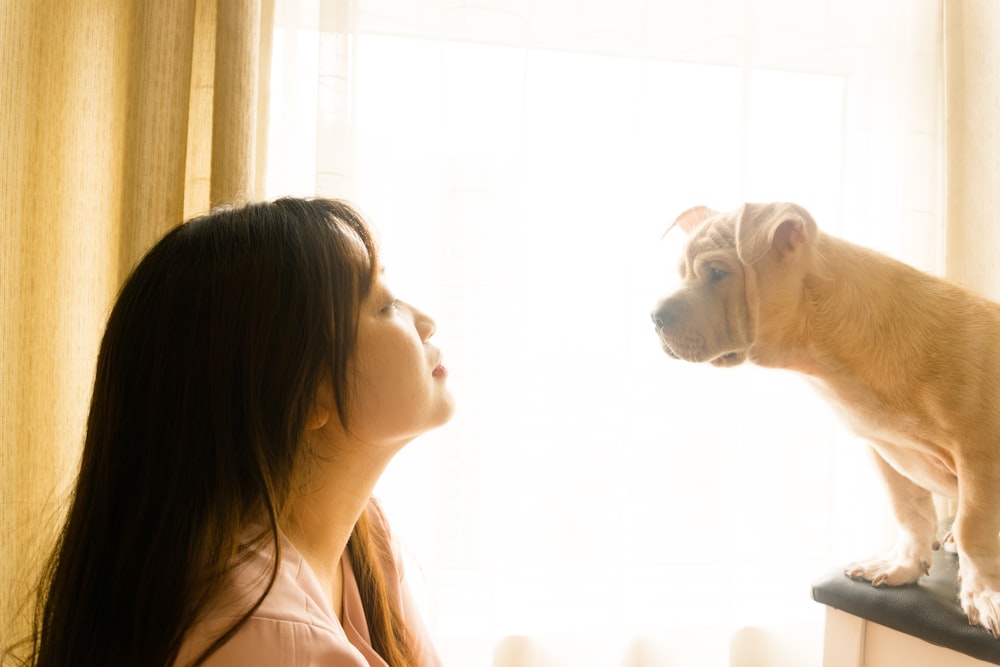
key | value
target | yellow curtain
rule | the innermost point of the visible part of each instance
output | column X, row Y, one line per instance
column 118, row 119
column 972, row 62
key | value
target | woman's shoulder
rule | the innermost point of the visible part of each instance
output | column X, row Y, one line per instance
column 266, row 641
column 290, row 623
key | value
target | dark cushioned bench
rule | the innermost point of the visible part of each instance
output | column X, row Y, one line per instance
column 928, row 609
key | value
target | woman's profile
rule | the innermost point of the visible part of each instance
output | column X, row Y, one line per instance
column 255, row 377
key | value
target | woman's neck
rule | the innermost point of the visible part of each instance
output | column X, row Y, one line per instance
column 322, row 512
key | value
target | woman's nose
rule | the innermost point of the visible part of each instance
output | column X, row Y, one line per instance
column 424, row 322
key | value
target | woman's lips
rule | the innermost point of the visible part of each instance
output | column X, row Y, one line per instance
column 440, row 371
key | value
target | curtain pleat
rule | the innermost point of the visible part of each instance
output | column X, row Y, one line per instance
column 972, row 61
column 234, row 136
column 158, row 76
column 198, row 174
column 108, row 119
column 263, row 94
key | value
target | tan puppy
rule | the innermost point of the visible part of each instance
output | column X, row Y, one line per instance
column 911, row 361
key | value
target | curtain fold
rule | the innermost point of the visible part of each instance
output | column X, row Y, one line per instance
column 234, row 127
column 972, row 61
column 159, row 56
column 115, row 115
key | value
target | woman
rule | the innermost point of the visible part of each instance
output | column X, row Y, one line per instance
column 255, row 378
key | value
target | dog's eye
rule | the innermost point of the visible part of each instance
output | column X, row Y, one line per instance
column 717, row 274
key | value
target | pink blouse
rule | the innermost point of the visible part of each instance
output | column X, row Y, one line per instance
column 295, row 625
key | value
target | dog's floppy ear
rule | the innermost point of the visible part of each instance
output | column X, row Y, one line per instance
column 784, row 227
column 690, row 219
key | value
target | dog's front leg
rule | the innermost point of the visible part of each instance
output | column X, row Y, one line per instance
column 913, row 508
column 976, row 529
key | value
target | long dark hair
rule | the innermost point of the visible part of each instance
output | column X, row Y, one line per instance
column 207, row 371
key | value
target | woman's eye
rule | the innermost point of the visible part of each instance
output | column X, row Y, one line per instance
column 392, row 305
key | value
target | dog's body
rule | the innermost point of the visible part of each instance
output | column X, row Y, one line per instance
column 910, row 360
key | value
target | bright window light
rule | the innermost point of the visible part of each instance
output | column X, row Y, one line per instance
column 520, row 195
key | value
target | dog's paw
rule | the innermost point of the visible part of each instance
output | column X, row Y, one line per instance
column 889, row 571
column 983, row 608
column 980, row 597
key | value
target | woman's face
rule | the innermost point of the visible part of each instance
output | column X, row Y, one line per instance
column 398, row 381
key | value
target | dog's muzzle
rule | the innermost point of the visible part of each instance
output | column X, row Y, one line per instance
column 679, row 342
column 664, row 316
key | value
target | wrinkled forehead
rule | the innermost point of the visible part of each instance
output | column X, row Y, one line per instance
column 716, row 234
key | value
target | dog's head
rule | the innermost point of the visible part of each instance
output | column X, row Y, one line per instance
column 738, row 269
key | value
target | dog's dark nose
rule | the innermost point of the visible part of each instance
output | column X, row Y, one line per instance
column 663, row 316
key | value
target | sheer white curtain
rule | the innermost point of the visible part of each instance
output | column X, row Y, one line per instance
column 594, row 503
